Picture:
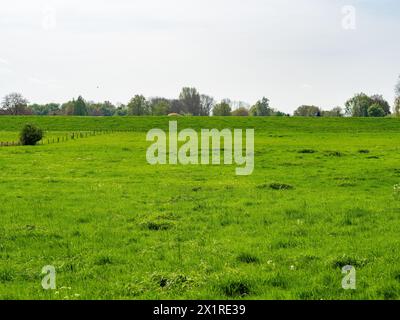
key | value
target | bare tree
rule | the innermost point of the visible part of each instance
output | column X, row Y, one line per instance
column 397, row 100
column 206, row 105
column 15, row 104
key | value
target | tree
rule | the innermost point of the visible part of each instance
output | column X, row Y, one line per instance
column 68, row 108
column 15, row 104
column 376, row 110
column 121, row 110
column 379, row 100
column 105, row 108
column 261, row 108
column 281, row 114
column 190, row 99
column 75, row 107
column 45, row 109
column 80, row 108
column 206, row 104
column 240, row 112
column 138, row 106
column 359, row 105
column 397, row 99
column 308, row 111
column 159, row 106
column 335, row 112
column 222, row 109
column 176, row 106
column 397, row 107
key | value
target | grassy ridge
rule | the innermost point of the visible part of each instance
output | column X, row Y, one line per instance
column 310, row 125
column 115, row 227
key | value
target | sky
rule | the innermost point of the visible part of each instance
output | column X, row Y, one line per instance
column 295, row 52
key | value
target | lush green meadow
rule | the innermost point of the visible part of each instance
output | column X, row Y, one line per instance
column 115, row 227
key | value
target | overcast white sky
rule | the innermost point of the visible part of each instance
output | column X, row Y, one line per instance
column 292, row 51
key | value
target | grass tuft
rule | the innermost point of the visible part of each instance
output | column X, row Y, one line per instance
column 247, row 258
column 307, row 151
column 236, row 289
column 281, row 186
column 103, row 260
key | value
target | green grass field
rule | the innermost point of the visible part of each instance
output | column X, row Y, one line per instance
column 115, row 227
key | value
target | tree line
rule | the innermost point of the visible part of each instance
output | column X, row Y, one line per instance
column 191, row 102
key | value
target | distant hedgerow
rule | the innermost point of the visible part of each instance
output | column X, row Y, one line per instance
column 30, row 135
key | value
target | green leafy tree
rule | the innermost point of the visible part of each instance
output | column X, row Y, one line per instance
column 376, row 110
column 335, row 112
column 108, row 108
column 379, row 100
column 160, row 107
column 68, row 108
column 75, row 107
column 261, row 108
column 240, row 112
column 45, row 109
column 80, row 108
column 358, row 105
column 121, row 110
column 191, row 101
column 281, row 114
column 138, row 106
column 105, row 108
column 222, row 109
column 308, row 111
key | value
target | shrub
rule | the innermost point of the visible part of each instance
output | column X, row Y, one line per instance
column 30, row 135
column 376, row 111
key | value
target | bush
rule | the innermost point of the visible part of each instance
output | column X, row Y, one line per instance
column 376, row 111
column 30, row 135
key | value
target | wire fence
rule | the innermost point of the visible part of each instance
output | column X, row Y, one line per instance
column 66, row 137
